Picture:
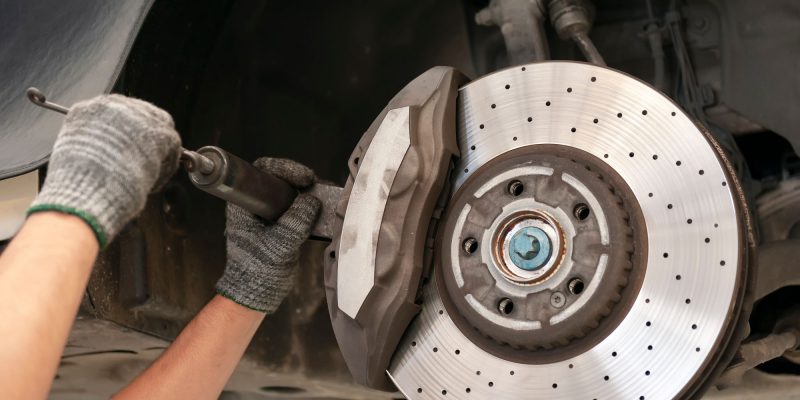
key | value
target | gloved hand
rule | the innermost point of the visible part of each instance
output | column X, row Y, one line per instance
column 261, row 256
column 110, row 153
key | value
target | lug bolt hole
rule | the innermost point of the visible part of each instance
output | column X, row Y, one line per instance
column 505, row 306
column 575, row 286
column 515, row 188
column 470, row 245
column 581, row 212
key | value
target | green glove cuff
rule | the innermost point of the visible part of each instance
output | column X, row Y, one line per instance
column 90, row 220
column 233, row 299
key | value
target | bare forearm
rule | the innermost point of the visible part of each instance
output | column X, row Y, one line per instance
column 43, row 274
column 200, row 361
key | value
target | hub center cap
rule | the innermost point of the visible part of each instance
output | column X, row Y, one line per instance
column 530, row 248
column 526, row 245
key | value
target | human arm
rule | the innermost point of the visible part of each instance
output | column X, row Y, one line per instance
column 41, row 286
column 110, row 152
column 199, row 362
column 260, row 271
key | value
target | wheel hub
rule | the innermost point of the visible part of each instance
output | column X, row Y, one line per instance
column 548, row 269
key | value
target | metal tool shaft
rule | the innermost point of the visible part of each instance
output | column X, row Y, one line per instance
column 189, row 159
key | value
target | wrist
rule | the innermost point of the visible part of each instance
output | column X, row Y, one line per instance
column 85, row 218
column 238, row 301
column 237, row 310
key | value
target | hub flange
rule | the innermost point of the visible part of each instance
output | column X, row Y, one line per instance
column 535, row 249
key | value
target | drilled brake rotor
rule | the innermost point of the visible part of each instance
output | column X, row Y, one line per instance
column 576, row 174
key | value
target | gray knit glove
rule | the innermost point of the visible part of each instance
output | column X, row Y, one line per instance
column 110, row 153
column 262, row 256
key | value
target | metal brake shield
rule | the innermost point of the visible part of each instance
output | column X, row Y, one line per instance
column 385, row 219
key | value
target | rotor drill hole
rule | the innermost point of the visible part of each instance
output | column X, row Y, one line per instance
column 594, row 79
column 644, row 112
column 555, row 386
column 505, row 306
column 470, row 245
column 619, row 115
column 530, row 119
column 494, row 106
column 481, row 126
column 547, row 103
column 508, row 86
column 472, row 147
column 569, row 90
column 573, row 130
column 655, row 156
column 581, row 211
column 515, row 188
column 332, row 254
column 575, row 286
column 631, row 154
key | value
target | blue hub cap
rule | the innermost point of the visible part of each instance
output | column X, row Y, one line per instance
column 530, row 248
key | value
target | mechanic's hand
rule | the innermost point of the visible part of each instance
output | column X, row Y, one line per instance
column 262, row 256
column 110, row 153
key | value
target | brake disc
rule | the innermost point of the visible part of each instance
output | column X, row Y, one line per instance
column 594, row 246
